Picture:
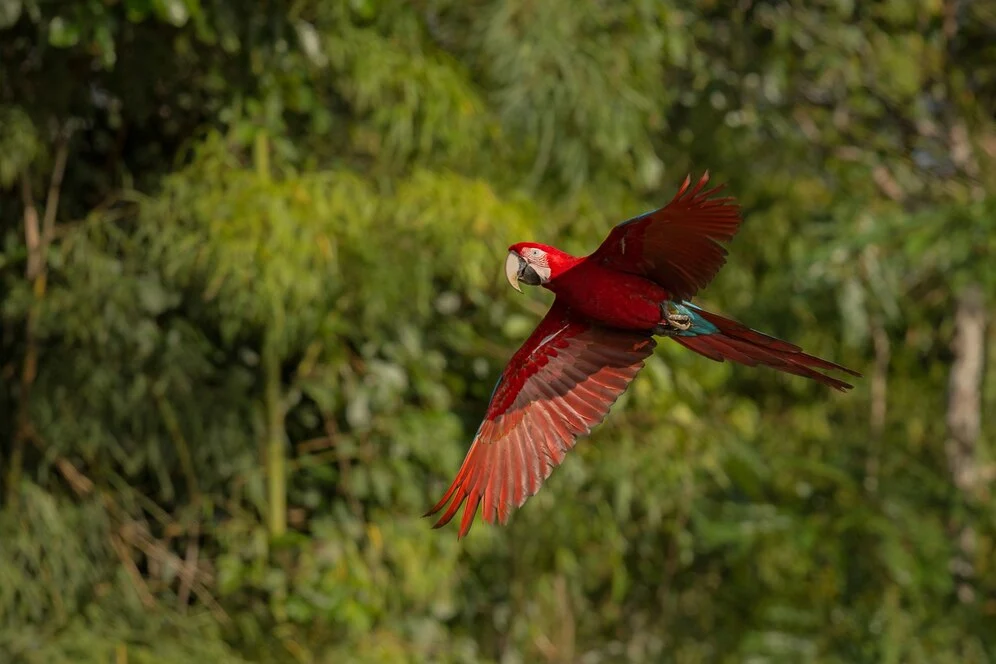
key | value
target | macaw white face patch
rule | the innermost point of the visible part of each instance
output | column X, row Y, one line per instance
column 539, row 261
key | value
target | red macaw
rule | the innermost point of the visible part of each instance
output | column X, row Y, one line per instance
column 595, row 338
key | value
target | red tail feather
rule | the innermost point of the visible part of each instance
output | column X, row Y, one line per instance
column 739, row 343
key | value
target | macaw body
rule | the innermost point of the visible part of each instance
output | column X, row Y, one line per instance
column 594, row 340
column 593, row 291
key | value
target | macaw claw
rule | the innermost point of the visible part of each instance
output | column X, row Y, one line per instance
column 680, row 321
column 674, row 320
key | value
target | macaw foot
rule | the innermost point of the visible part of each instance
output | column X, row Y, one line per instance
column 679, row 321
column 673, row 320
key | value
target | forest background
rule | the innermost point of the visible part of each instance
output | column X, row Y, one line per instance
column 252, row 310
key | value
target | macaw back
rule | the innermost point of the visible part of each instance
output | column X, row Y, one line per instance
column 609, row 297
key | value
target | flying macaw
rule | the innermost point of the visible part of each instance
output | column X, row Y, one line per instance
column 595, row 338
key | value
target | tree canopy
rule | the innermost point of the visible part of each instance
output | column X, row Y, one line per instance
column 252, row 311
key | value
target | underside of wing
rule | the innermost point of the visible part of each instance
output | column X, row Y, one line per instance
column 559, row 385
column 677, row 246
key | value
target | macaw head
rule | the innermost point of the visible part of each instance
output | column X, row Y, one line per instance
column 533, row 264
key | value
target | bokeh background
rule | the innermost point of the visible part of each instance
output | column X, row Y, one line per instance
column 252, row 309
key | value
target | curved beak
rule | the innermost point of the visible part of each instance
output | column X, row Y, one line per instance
column 513, row 265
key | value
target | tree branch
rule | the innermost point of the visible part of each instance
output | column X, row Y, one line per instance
column 32, row 232
column 964, row 423
column 964, row 388
column 879, row 401
column 36, row 240
column 55, row 188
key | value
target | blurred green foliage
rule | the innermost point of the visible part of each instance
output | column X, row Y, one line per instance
column 254, row 344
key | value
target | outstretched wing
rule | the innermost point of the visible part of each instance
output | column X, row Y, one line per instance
column 676, row 246
column 557, row 386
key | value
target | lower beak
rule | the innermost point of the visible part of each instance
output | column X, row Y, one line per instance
column 512, row 266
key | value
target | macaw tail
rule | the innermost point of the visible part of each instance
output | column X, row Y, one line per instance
column 720, row 338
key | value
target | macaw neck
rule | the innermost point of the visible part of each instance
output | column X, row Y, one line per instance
column 561, row 263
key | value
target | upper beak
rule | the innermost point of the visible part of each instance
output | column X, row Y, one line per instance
column 512, row 266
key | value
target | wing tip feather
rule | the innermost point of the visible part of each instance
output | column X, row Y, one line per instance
column 495, row 479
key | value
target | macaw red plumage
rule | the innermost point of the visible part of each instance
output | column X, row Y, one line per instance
column 595, row 338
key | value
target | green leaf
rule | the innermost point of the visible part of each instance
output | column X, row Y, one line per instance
column 10, row 12
column 175, row 12
column 63, row 33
